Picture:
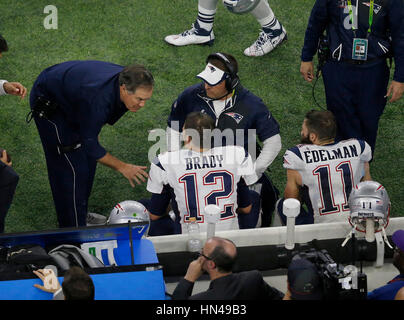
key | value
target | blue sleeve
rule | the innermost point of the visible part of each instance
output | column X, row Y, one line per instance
column 265, row 124
column 243, row 194
column 178, row 113
column 92, row 116
column 159, row 202
column 315, row 28
column 396, row 24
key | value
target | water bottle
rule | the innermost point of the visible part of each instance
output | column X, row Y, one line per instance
column 194, row 243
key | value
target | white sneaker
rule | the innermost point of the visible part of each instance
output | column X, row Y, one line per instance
column 266, row 42
column 195, row 35
column 95, row 219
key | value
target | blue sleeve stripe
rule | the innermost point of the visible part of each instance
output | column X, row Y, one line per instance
column 246, row 154
column 296, row 151
column 362, row 144
column 156, row 162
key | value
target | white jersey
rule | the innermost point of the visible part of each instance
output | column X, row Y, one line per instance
column 329, row 172
column 199, row 179
column 2, row 91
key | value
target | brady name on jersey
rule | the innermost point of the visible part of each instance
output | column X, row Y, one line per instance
column 217, row 176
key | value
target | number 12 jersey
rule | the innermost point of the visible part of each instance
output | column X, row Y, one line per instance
column 202, row 178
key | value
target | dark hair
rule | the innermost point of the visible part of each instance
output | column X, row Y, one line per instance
column 135, row 76
column 322, row 123
column 3, row 44
column 223, row 260
column 200, row 122
column 217, row 62
column 78, row 285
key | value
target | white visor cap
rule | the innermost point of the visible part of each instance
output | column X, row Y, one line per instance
column 212, row 75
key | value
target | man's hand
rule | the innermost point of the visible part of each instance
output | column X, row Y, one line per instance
column 15, row 89
column 129, row 171
column 4, row 157
column 134, row 173
column 194, row 270
column 307, row 70
column 50, row 281
column 396, row 90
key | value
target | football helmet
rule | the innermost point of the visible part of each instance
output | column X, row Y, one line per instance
column 240, row 6
column 129, row 210
column 369, row 200
column 369, row 206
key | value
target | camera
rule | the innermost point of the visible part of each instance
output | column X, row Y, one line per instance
column 339, row 282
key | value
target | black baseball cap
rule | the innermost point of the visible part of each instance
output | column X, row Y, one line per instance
column 304, row 280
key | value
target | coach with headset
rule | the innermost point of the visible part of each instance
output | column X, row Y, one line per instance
column 233, row 107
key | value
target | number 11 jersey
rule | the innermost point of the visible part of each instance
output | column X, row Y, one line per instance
column 329, row 172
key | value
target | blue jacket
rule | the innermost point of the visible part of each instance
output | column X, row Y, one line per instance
column 388, row 291
column 246, row 111
column 386, row 37
column 88, row 95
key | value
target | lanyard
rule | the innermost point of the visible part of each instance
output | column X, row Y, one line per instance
column 370, row 15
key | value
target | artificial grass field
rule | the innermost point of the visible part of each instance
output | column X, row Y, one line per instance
column 124, row 31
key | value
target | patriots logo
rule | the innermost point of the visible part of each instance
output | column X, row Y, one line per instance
column 236, row 116
column 376, row 7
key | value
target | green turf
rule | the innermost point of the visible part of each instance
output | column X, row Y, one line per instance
column 125, row 31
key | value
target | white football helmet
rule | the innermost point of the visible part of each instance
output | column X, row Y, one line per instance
column 240, row 6
column 129, row 210
column 369, row 200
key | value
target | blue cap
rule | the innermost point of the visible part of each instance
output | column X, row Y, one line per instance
column 398, row 239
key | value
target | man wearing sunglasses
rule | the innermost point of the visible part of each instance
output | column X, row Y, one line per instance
column 217, row 258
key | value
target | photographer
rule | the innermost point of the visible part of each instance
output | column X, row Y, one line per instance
column 217, row 258
column 304, row 281
column 389, row 291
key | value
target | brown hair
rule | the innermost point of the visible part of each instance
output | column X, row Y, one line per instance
column 135, row 76
column 199, row 127
column 322, row 123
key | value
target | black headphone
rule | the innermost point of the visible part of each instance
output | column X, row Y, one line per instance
column 232, row 79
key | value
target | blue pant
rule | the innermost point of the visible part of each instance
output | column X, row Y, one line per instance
column 70, row 174
column 249, row 221
column 8, row 183
column 166, row 226
column 304, row 217
column 355, row 95
column 163, row 226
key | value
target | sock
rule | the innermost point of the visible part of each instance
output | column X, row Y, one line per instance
column 265, row 17
column 206, row 17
